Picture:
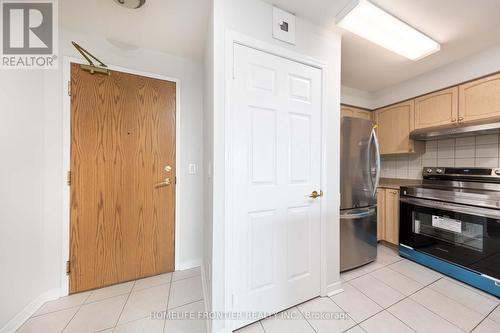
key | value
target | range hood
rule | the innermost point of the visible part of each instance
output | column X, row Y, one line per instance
column 455, row 132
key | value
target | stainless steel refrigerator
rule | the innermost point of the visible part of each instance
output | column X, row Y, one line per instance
column 359, row 177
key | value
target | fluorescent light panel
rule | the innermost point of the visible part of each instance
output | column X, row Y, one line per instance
column 370, row 22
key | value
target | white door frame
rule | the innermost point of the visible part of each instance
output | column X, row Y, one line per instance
column 233, row 38
column 66, row 195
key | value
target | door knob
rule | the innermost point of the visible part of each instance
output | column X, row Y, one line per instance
column 166, row 182
column 315, row 194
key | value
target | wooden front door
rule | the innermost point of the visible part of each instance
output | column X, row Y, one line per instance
column 122, row 151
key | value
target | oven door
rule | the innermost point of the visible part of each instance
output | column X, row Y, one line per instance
column 464, row 235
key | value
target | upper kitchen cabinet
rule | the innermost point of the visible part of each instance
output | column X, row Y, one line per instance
column 395, row 123
column 437, row 109
column 480, row 99
column 351, row 111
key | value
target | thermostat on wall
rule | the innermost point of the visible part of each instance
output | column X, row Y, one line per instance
column 283, row 25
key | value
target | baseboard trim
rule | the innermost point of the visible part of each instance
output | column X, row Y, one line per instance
column 189, row 264
column 29, row 310
column 334, row 288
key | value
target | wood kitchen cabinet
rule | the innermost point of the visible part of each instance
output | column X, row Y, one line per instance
column 350, row 111
column 479, row 99
column 392, row 216
column 380, row 214
column 388, row 215
column 437, row 109
column 395, row 123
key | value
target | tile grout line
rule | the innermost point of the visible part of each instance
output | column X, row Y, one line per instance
column 63, row 309
column 124, row 305
column 455, row 301
column 168, row 301
column 405, row 296
column 487, row 316
column 358, row 323
column 307, row 321
column 472, row 289
column 79, row 308
column 383, row 309
column 376, row 269
column 262, row 325
column 437, row 314
column 422, row 305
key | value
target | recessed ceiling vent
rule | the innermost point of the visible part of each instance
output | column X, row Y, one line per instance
column 133, row 4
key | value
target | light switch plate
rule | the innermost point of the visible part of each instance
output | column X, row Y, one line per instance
column 283, row 25
column 192, row 169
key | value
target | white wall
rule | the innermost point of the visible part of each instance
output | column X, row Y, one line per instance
column 33, row 176
column 254, row 18
column 22, row 173
column 476, row 151
column 470, row 67
column 356, row 97
column 473, row 66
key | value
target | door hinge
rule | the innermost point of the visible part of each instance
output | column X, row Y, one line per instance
column 69, row 88
column 67, row 268
column 175, row 180
column 68, row 178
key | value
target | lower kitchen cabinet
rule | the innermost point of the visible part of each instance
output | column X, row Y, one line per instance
column 380, row 214
column 388, row 215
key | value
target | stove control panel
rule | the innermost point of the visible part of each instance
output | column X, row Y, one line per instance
column 438, row 172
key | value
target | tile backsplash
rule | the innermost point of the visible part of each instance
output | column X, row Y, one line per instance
column 475, row 151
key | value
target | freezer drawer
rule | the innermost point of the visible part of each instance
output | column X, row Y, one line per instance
column 358, row 237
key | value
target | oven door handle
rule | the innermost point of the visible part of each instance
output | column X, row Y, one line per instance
column 470, row 210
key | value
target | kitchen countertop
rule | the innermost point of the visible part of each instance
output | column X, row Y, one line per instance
column 397, row 183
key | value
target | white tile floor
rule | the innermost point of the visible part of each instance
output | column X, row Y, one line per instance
column 126, row 307
column 393, row 295
column 389, row 295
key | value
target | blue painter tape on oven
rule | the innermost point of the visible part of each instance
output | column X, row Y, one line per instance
column 454, row 271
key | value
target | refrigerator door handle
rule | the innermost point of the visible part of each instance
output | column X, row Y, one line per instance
column 374, row 141
column 360, row 215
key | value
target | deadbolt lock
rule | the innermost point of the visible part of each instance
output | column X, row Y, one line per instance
column 168, row 168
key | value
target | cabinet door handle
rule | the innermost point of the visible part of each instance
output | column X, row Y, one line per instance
column 453, row 120
column 460, row 118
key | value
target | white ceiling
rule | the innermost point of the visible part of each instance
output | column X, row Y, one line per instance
column 173, row 26
column 463, row 27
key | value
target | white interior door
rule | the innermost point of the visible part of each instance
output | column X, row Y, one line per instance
column 276, row 160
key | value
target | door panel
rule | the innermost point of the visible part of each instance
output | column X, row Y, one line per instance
column 122, row 138
column 276, row 159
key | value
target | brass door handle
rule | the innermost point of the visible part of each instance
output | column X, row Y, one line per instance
column 315, row 194
column 166, row 182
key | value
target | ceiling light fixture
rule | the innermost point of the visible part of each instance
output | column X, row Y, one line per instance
column 374, row 24
column 133, row 4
